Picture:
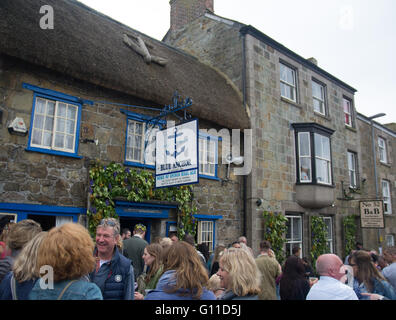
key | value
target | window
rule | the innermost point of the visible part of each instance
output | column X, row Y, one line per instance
column 313, row 153
column 386, row 196
column 288, row 82
column 140, row 140
column 140, row 143
column 304, row 156
column 205, row 233
column 390, row 240
column 208, row 157
column 352, row 165
column 293, row 233
column 347, row 105
column 55, row 122
column 329, row 233
column 318, row 96
column 322, row 159
column 382, row 150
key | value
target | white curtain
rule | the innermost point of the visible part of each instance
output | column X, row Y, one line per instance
column 62, row 220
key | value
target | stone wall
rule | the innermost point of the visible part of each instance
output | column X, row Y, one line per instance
column 385, row 171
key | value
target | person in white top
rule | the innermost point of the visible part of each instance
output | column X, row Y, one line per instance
column 330, row 286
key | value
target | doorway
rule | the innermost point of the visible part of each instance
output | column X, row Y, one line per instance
column 126, row 222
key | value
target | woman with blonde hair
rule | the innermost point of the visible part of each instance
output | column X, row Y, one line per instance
column 239, row 275
column 66, row 254
column 185, row 276
column 18, row 283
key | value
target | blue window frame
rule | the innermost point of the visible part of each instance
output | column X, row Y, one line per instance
column 140, row 140
column 208, row 156
column 55, row 122
column 22, row 211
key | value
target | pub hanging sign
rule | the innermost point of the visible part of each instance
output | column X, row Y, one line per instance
column 372, row 214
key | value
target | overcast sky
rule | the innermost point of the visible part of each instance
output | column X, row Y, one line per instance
column 354, row 40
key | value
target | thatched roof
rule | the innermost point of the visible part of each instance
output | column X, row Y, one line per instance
column 88, row 45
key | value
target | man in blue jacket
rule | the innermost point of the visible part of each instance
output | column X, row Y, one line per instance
column 113, row 273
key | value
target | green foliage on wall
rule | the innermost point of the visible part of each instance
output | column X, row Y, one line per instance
column 318, row 238
column 275, row 228
column 114, row 180
column 349, row 224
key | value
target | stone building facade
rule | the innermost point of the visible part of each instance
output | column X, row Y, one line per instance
column 380, row 177
column 299, row 114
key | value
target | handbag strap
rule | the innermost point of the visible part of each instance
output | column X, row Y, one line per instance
column 64, row 289
column 13, row 288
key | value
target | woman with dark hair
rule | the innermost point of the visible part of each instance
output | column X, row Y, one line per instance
column 185, row 276
column 293, row 284
column 152, row 257
column 367, row 277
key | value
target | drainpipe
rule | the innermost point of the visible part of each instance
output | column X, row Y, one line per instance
column 244, row 104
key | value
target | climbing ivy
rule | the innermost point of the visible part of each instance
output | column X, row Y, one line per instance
column 275, row 228
column 318, row 238
column 137, row 185
column 349, row 233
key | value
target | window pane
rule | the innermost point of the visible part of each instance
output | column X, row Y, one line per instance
column 40, row 106
column 47, row 141
column 69, row 142
column 305, row 169
column 51, row 108
column 304, row 144
column 38, row 121
column 61, row 110
column 71, row 112
column 36, row 137
column 60, row 125
column 322, row 171
column 297, row 229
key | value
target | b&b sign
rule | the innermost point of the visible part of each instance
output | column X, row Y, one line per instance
column 372, row 214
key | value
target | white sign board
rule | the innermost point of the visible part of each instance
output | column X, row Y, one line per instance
column 177, row 155
column 372, row 214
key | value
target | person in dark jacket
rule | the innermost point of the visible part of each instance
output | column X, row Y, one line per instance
column 114, row 272
column 294, row 285
column 133, row 248
column 185, row 276
column 239, row 275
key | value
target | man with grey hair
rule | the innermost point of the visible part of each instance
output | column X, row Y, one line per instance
column 389, row 272
column 330, row 286
column 113, row 273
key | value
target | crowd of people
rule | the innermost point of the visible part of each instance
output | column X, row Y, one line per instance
column 65, row 263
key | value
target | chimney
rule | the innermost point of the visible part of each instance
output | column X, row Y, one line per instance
column 185, row 11
column 313, row 60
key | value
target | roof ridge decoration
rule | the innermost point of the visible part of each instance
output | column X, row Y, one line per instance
column 141, row 48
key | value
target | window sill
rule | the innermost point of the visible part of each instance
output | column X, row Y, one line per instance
column 293, row 103
column 54, row 152
column 209, row 177
column 350, row 128
column 139, row 165
column 386, row 164
column 321, row 115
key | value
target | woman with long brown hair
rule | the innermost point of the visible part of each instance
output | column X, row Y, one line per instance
column 184, row 278
column 148, row 280
column 367, row 278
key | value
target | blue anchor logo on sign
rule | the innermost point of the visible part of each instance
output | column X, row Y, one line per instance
column 177, row 144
